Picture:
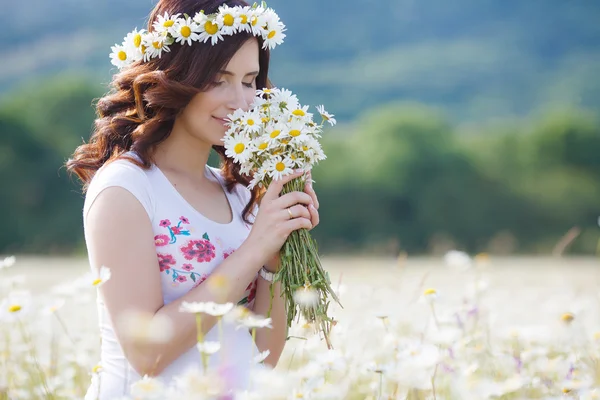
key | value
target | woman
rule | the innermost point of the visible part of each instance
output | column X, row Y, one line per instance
column 165, row 223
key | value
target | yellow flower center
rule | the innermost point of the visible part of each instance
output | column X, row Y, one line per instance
column 14, row 308
column 228, row 20
column 285, row 141
column 275, row 133
column 271, row 34
column 250, row 122
column 157, row 45
column 265, row 119
column 429, row 292
column 97, row 368
column 137, row 40
column 168, row 23
column 239, row 148
column 122, row 55
column 254, row 21
column 280, row 166
column 293, row 157
column 143, row 49
column 567, row 317
column 305, row 148
column 294, row 133
column 244, row 19
column 298, row 113
column 97, row 282
column 211, row 28
column 186, row 31
column 262, row 146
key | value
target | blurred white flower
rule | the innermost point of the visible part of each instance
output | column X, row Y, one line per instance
column 458, row 260
column 15, row 306
column 8, row 262
column 208, row 347
column 254, row 321
column 200, row 384
column 100, row 276
column 210, row 308
column 148, row 388
column 306, row 296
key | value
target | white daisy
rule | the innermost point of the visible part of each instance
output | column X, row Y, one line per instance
column 133, row 44
column 99, row 276
column 278, row 167
column 276, row 133
column 155, row 44
column 257, row 20
column 226, row 19
column 325, row 115
column 243, row 19
column 238, row 147
column 262, row 144
column 297, row 131
column 184, row 31
column 274, row 35
column 286, row 99
column 200, row 18
column 306, row 296
column 119, row 56
column 15, row 306
column 252, row 121
column 208, row 347
column 300, row 113
column 210, row 30
column 165, row 24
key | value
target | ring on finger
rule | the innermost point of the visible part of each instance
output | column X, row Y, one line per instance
column 290, row 212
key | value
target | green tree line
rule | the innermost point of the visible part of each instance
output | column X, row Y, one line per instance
column 401, row 177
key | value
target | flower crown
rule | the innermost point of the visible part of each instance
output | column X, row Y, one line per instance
column 168, row 29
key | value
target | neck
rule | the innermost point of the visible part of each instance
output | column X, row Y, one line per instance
column 182, row 153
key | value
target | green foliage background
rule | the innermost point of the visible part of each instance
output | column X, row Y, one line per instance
column 470, row 124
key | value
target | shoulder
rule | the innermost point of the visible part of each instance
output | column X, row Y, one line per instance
column 124, row 173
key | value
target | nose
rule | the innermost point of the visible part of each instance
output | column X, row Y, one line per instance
column 237, row 99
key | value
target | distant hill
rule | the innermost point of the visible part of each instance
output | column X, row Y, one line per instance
column 478, row 59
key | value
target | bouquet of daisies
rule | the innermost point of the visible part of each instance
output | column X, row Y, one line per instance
column 275, row 137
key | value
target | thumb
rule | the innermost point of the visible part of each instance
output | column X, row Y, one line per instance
column 276, row 186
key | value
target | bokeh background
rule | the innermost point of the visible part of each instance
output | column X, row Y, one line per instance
column 470, row 124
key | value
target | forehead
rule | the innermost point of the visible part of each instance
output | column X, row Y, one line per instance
column 245, row 59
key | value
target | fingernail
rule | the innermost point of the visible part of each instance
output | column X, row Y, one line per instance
column 299, row 170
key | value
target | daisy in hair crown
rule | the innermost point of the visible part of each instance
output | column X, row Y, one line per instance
column 141, row 45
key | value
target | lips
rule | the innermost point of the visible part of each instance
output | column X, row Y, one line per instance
column 222, row 120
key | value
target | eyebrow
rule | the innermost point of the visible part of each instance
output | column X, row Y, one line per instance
column 253, row 73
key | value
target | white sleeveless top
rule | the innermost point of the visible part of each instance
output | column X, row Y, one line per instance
column 188, row 248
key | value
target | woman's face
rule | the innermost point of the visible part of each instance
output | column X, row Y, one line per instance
column 234, row 87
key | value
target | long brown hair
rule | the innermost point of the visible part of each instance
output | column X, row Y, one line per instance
column 140, row 110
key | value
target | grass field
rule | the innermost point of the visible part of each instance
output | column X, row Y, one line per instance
column 417, row 328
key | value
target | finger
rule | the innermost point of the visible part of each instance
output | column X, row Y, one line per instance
column 314, row 215
column 297, row 223
column 277, row 185
column 297, row 211
column 308, row 189
column 293, row 198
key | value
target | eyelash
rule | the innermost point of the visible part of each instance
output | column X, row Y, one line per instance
column 248, row 85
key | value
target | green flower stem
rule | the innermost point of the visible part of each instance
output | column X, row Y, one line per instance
column 200, row 339
column 300, row 266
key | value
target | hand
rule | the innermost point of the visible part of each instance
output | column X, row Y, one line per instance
column 273, row 264
column 278, row 216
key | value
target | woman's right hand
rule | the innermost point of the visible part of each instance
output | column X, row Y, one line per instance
column 274, row 223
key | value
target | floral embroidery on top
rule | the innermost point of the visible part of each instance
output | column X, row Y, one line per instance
column 250, row 297
column 174, row 231
column 201, row 250
column 165, row 261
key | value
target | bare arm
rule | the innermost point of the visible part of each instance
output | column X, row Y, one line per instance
column 121, row 238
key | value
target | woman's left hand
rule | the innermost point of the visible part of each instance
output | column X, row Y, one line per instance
column 273, row 264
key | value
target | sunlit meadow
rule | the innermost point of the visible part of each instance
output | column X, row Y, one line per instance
column 451, row 327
